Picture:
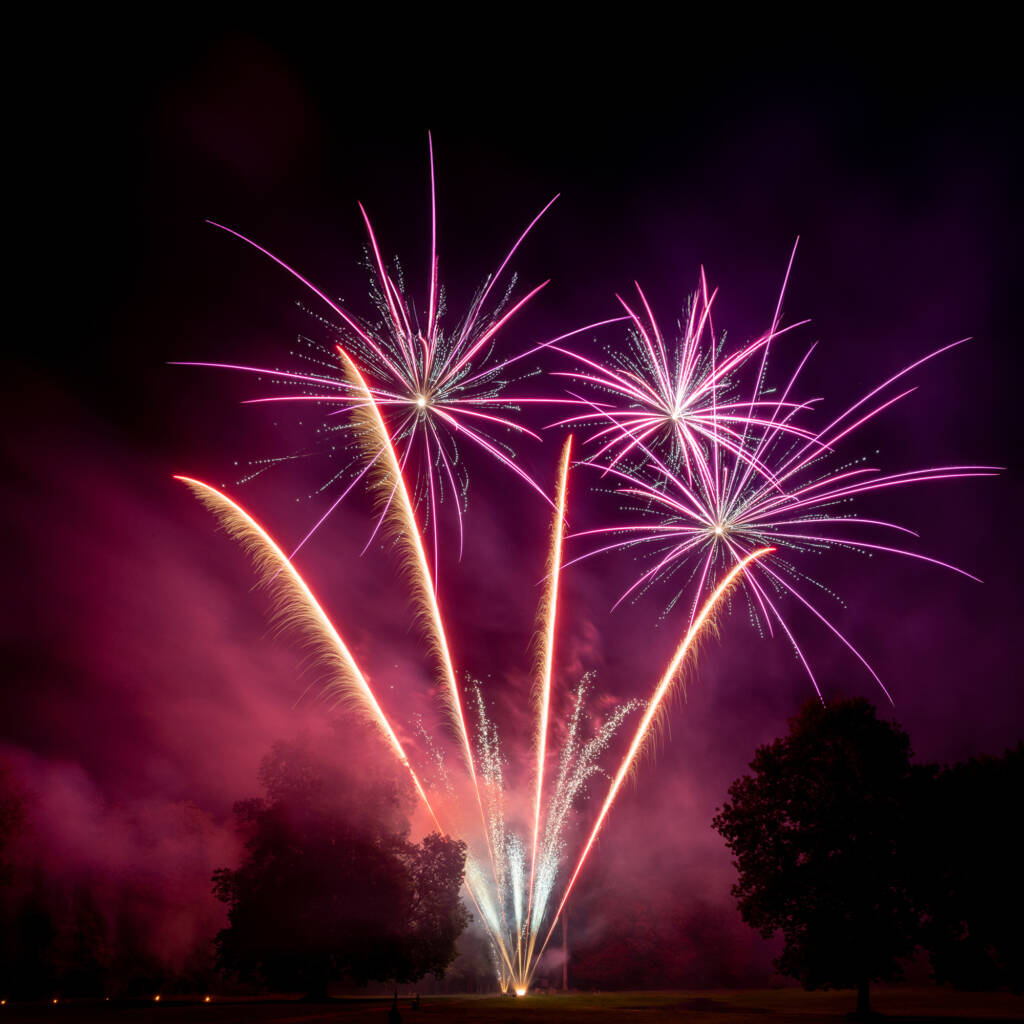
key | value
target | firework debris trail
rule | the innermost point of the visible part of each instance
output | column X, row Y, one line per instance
column 299, row 610
column 548, row 617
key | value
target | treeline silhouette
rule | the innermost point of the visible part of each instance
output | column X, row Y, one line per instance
column 325, row 887
column 75, row 933
column 863, row 861
column 330, row 888
column 860, row 857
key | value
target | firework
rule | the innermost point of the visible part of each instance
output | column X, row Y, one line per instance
column 775, row 487
column 510, row 888
column 522, row 896
column 723, row 472
column 548, row 615
column 390, row 482
column 435, row 387
column 682, row 399
column 297, row 610
column 650, row 716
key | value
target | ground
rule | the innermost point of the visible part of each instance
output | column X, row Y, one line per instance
column 767, row 1006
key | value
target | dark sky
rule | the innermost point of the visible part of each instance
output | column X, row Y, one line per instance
column 140, row 677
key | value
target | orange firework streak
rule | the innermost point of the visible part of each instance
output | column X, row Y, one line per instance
column 274, row 564
column 548, row 615
column 265, row 553
column 424, row 581
column 643, row 730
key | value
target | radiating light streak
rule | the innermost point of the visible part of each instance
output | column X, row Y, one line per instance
column 548, row 616
column 680, row 398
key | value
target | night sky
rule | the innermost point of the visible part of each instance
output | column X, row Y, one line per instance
column 141, row 685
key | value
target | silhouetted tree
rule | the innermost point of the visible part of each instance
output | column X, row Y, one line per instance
column 12, row 817
column 28, row 971
column 821, row 835
column 972, row 888
column 331, row 886
column 80, row 952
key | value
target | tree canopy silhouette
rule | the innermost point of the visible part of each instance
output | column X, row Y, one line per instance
column 331, row 887
column 821, row 835
column 972, row 889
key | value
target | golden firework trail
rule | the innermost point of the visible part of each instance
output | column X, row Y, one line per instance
column 548, row 617
column 644, row 729
column 401, row 514
column 398, row 506
column 296, row 607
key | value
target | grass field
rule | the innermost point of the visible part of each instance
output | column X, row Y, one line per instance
column 768, row 1006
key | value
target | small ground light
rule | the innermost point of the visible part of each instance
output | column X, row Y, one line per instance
column 156, row 998
column 520, row 991
column 206, row 1000
column 55, row 1002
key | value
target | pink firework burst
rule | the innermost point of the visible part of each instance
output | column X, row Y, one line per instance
column 436, row 387
column 774, row 486
column 682, row 398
